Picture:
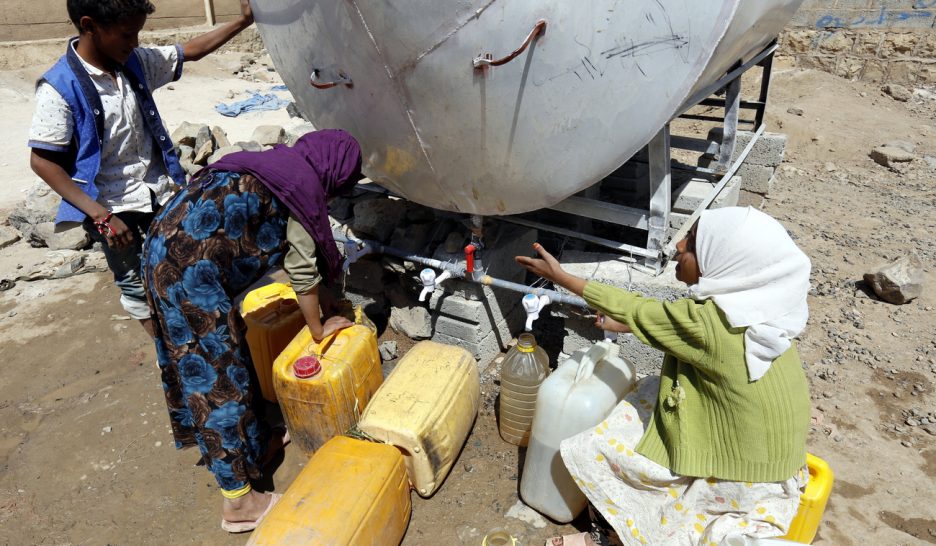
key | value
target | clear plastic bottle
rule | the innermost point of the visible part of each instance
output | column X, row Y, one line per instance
column 523, row 371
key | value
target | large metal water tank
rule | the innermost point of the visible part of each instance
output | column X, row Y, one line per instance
column 597, row 81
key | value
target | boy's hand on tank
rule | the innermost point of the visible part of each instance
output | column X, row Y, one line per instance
column 604, row 322
column 246, row 11
column 546, row 266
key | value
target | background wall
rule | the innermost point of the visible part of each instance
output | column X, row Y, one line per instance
column 41, row 19
column 873, row 40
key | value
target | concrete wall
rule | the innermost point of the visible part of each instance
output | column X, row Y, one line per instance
column 872, row 40
column 42, row 19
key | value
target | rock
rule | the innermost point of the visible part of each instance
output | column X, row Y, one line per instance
column 897, row 92
column 41, row 206
column 830, row 167
column 189, row 166
column 294, row 133
column 249, row 146
column 70, row 238
column 204, row 152
column 904, row 145
column 293, row 110
column 8, row 236
column 220, row 137
column 454, row 242
column 221, row 152
column 269, row 135
column 898, row 282
column 891, row 156
column 795, row 111
column 186, row 152
column 203, row 136
column 377, row 218
column 526, row 514
column 187, row 133
column 413, row 322
column 388, row 350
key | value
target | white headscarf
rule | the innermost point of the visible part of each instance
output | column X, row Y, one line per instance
column 751, row 268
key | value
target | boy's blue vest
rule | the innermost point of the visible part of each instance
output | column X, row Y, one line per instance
column 69, row 77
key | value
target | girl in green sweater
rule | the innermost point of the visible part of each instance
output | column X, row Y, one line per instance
column 715, row 446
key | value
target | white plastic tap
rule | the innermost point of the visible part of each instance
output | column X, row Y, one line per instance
column 533, row 304
column 430, row 281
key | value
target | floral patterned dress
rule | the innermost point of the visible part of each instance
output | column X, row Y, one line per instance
column 208, row 243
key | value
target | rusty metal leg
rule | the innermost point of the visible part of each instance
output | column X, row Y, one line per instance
column 661, row 194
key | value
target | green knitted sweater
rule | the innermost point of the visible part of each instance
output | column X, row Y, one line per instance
column 710, row 421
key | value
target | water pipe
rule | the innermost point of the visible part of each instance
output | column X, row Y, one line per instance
column 356, row 248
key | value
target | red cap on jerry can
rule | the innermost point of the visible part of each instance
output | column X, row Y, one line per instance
column 306, row 367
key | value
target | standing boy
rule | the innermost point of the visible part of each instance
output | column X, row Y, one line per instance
column 97, row 138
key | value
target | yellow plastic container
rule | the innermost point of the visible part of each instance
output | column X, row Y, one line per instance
column 351, row 493
column 812, row 502
column 273, row 319
column 331, row 401
column 426, row 408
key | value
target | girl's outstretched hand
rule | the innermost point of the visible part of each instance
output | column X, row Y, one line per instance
column 546, row 266
column 608, row 324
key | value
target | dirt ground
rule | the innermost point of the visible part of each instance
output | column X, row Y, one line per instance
column 86, row 454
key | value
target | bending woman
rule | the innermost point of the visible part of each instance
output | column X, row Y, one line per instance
column 212, row 240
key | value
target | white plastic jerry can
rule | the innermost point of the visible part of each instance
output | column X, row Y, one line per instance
column 578, row 395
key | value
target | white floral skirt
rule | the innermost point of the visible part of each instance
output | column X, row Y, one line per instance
column 645, row 503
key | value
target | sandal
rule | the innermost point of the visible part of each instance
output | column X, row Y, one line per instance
column 245, row 526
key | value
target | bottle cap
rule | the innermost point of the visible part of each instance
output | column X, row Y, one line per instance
column 306, row 367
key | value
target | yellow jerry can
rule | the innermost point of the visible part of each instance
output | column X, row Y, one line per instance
column 426, row 408
column 351, row 493
column 323, row 387
column 813, row 501
column 273, row 319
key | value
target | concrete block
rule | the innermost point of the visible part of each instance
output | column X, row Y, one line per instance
column 767, row 152
column 483, row 351
column 677, row 220
column 757, row 178
column 690, row 195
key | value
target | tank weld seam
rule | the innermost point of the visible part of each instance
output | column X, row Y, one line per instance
column 476, row 14
column 396, row 86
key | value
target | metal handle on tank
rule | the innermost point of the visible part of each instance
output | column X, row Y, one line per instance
column 486, row 60
column 343, row 79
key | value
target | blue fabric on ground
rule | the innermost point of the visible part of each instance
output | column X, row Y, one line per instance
column 255, row 103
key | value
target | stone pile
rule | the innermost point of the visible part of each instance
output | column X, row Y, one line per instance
column 199, row 145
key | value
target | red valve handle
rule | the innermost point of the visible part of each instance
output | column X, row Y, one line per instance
column 469, row 260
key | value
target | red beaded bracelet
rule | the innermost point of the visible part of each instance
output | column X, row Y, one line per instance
column 104, row 228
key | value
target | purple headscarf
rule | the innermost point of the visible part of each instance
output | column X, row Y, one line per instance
column 321, row 165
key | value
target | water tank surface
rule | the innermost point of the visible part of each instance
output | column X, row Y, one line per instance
column 590, row 90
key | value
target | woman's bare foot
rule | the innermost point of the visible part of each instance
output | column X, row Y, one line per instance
column 247, row 508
